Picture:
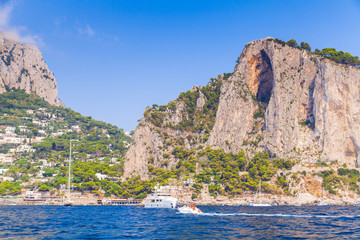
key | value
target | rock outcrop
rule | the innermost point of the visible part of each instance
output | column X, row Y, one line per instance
column 289, row 102
column 22, row 66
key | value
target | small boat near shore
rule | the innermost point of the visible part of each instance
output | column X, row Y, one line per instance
column 260, row 203
column 189, row 209
column 68, row 204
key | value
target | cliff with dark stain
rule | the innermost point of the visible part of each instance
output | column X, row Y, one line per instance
column 289, row 102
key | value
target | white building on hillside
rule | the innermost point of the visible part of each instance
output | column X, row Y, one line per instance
column 9, row 128
column 3, row 170
column 24, row 148
column 10, row 139
column 37, row 139
column 76, row 128
column 6, row 159
column 9, row 179
column 101, row 176
column 59, row 133
column 42, row 132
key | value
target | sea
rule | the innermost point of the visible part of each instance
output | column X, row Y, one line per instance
column 216, row 222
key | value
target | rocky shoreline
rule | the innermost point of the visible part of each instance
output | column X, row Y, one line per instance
column 284, row 201
column 300, row 200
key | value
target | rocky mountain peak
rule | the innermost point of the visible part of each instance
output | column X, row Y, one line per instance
column 22, row 66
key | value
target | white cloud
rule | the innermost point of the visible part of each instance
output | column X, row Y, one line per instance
column 5, row 10
column 87, row 31
column 59, row 21
column 17, row 33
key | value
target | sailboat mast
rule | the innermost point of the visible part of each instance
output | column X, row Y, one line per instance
column 260, row 188
column 69, row 180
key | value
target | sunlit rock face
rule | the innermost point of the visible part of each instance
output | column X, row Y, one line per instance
column 287, row 101
column 22, row 66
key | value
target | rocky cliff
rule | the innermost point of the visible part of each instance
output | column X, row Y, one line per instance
column 22, row 66
column 289, row 102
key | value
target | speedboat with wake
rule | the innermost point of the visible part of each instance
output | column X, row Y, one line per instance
column 189, row 209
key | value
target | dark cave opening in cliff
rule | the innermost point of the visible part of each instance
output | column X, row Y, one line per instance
column 266, row 79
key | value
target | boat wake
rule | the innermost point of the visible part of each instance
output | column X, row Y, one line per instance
column 280, row 215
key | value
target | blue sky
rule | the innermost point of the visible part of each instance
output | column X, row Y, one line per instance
column 111, row 59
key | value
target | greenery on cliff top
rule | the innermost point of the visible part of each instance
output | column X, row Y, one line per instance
column 329, row 53
column 16, row 102
column 193, row 119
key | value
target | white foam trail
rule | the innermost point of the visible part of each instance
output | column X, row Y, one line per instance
column 280, row 215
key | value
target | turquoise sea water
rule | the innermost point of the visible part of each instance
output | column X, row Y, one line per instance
column 122, row 222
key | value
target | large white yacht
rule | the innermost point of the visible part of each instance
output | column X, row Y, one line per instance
column 160, row 199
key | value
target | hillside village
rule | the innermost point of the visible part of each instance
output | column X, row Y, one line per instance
column 34, row 147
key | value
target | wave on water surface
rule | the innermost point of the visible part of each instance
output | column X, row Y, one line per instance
column 277, row 215
column 121, row 222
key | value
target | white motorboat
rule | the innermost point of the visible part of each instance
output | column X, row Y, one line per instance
column 189, row 209
column 259, row 204
column 322, row 204
column 160, row 199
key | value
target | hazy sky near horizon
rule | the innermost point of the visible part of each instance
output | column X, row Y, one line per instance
column 111, row 59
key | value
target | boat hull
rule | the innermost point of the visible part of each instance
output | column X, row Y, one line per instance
column 186, row 209
column 259, row 204
column 160, row 202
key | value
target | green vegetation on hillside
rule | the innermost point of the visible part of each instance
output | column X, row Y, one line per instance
column 98, row 147
column 225, row 173
column 330, row 53
column 17, row 101
column 333, row 182
column 193, row 119
column 9, row 188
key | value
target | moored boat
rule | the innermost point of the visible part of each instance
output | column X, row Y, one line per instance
column 160, row 199
column 260, row 203
column 68, row 204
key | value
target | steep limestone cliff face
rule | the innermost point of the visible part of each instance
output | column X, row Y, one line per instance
column 280, row 99
column 152, row 141
column 146, row 141
column 22, row 66
column 312, row 103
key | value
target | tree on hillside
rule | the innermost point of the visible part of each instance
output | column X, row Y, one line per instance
column 292, row 43
column 340, row 56
column 305, row 46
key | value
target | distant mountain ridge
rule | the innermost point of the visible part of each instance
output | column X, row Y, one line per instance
column 22, row 66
